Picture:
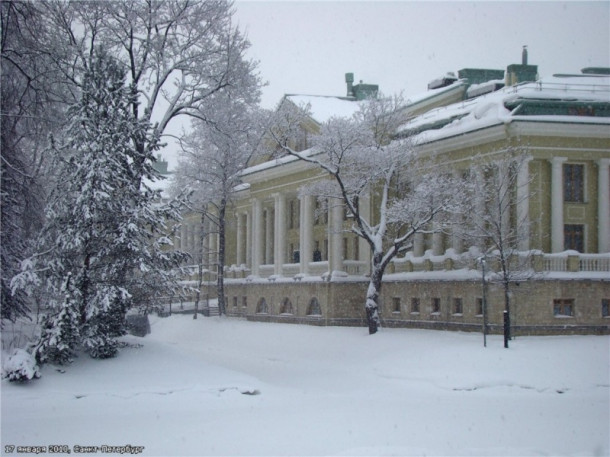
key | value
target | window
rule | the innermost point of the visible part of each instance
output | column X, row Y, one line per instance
column 605, row 307
column 574, row 237
column 234, row 302
column 313, row 309
column 563, row 307
column 345, row 248
column 317, row 255
column 479, row 306
column 244, row 301
column 415, row 306
column 356, row 248
column 396, row 304
column 261, row 306
column 286, row 307
column 436, row 305
column 458, row 307
column 573, row 183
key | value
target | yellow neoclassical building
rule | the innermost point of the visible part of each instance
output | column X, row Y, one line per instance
column 288, row 260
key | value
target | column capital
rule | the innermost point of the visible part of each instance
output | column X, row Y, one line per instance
column 555, row 161
column 603, row 162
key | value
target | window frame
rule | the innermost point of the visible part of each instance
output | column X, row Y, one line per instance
column 569, row 236
column 435, row 305
column 559, row 305
column 574, row 187
column 415, row 305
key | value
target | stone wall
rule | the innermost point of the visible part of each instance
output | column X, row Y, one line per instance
column 412, row 304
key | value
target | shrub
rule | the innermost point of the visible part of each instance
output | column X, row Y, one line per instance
column 20, row 366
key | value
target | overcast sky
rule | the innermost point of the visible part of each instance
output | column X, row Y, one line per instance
column 307, row 47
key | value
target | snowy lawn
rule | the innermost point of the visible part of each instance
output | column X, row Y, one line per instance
column 217, row 386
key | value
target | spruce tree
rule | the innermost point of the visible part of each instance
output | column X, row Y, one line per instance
column 106, row 231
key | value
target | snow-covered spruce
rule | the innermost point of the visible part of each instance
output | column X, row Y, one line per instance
column 103, row 243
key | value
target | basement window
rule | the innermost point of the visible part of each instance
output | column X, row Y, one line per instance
column 261, row 306
column 458, row 307
column 415, row 305
column 396, row 304
column 563, row 307
column 436, row 306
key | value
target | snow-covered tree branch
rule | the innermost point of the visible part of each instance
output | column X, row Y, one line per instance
column 361, row 160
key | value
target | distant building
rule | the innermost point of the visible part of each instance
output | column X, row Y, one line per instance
column 282, row 251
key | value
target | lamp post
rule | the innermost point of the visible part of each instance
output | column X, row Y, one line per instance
column 484, row 304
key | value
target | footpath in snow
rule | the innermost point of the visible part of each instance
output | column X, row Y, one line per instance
column 218, row 386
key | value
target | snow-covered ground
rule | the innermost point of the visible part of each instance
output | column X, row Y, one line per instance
column 217, row 386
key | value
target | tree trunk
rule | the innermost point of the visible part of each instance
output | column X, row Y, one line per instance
column 372, row 297
column 220, row 285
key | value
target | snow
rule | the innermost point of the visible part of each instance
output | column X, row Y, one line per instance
column 488, row 110
column 218, row 386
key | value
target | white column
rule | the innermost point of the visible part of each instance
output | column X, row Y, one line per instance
column 249, row 239
column 523, row 205
column 418, row 245
column 481, row 194
column 280, row 233
column 438, row 241
column 557, row 242
column 212, row 247
column 364, row 249
column 257, row 236
column 268, row 236
column 603, row 205
column 335, row 236
column 306, row 234
column 239, row 258
column 503, row 179
column 457, row 220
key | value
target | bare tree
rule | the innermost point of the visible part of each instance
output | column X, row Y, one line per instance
column 212, row 160
column 500, row 222
column 360, row 158
column 29, row 113
column 178, row 53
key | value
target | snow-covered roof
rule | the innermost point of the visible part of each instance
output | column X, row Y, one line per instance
column 502, row 106
column 323, row 108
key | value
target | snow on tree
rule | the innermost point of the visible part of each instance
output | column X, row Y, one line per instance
column 105, row 231
column 178, row 53
column 211, row 162
column 29, row 113
column 362, row 162
column 499, row 222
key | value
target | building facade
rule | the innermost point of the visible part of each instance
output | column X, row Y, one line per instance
column 293, row 258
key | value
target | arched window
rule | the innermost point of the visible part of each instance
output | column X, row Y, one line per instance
column 286, row 307
column 313, row 309
column 261, row 306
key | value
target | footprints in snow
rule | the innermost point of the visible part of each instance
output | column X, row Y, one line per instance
column 242, row 390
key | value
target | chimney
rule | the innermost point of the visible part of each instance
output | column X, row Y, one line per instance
column 524, row 56
column 349, row 79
